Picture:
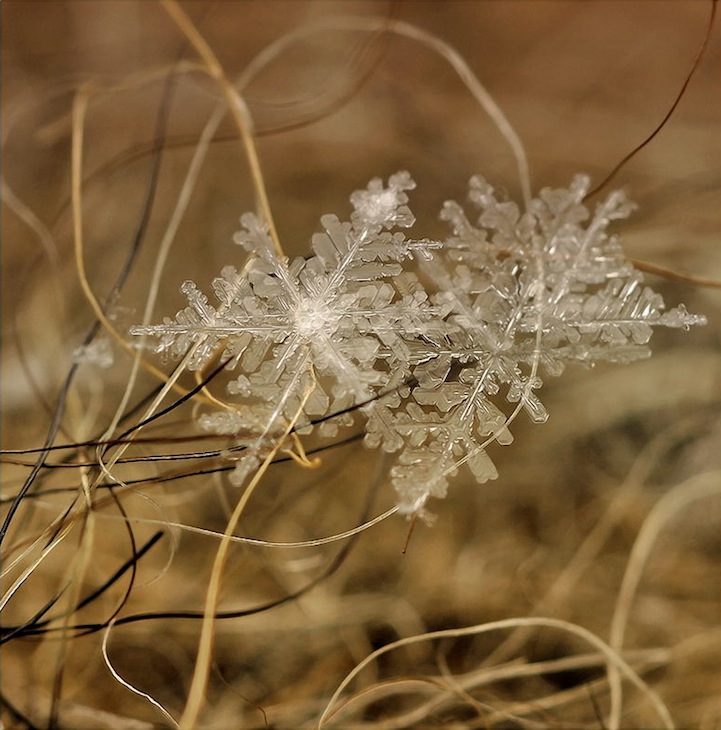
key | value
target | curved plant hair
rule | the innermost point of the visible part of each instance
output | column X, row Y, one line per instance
column 210, row 418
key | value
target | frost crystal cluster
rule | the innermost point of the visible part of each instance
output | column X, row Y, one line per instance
column 427, row 338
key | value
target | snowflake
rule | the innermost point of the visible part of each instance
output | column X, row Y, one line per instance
column 338, row 323
column 526, row 292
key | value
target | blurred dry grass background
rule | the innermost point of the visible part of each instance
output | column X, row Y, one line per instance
column 583, row 82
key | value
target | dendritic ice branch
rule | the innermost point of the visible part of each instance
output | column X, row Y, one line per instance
column 430, row 338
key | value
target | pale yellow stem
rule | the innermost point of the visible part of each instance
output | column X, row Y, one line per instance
column 237, row 106
column 196, row 695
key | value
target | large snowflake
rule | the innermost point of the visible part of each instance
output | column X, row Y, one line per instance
column 311, row 336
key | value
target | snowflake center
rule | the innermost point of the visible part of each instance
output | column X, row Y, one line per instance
column 312, row 317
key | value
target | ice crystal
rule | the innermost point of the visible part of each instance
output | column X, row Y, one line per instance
column 504, row 300
column 324, row 331
column 528, row 292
